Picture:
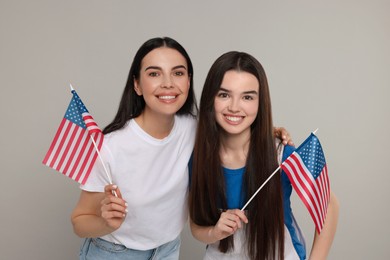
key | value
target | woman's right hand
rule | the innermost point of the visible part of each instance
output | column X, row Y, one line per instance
column 228, row 223
column 113, row 208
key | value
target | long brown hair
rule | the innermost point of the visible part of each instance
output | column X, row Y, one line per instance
column 265, row 230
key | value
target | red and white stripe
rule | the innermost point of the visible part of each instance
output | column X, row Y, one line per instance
column 72, row 151
column 315, row 193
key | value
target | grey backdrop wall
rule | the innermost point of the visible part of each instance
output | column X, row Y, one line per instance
column 328, row 67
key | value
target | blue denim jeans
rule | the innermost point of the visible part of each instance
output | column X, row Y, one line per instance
column 97, row 248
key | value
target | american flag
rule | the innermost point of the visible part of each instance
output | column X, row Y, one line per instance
column 307, row 171
column 72, row 152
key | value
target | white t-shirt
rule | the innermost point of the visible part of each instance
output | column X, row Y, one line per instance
column 152, row 175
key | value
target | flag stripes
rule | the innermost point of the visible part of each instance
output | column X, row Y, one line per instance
column 76, row 143
column 315, row 193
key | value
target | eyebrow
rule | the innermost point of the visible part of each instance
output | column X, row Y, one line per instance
column 159, row 68
column 254, row 92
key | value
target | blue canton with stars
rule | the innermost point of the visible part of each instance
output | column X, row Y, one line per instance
column 312, row 155
column 75, row 110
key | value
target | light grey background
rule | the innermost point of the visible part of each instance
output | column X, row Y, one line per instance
column 328, row 67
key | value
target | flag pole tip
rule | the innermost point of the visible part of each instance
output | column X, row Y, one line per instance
column 71, row 87
column 314, row 132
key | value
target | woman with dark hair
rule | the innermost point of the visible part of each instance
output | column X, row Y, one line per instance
column 234, row 154
column 146, row 149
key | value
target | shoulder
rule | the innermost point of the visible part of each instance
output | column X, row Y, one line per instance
column 287, row 151
column 116, row 135
column 283, row 151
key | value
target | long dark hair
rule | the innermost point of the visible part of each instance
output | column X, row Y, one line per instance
column 132, row 105
column 265, row 230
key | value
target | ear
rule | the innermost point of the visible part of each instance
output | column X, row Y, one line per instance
column 137, row 88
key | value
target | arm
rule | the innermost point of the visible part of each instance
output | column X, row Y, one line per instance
column 282, row 134
column 227, row 224
column 98, row 213
column 323, row 242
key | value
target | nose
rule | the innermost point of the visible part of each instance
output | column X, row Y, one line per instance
column 167, row 82
column 233, row 105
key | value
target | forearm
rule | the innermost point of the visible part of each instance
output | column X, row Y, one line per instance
column 90, row 226
column 95, row 215
column 203, row 233
column 322, row 242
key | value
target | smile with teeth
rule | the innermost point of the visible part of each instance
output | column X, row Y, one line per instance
column 166, row 97
column 234, row 118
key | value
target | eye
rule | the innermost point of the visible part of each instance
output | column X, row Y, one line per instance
column 153, row 74
column 179, row 73
column 247, row 97
column 223, row 95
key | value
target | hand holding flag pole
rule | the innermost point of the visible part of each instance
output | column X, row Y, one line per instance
column 306, row 168
column 98, row 152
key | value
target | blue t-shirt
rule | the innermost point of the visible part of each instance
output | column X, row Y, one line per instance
column 235, row 199
column 235, row 194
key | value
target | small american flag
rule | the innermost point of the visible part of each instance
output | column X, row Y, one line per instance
column 307, row 171
column 72, row 152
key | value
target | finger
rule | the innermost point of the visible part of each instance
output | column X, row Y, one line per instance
column 285, row 135
column 118, row 192
column 109, row 188
column 240, row 215
column 228, row 219
column 226, row 227
column 114, row 200
column 112, row 214
column 277, row 131
column 112, row 189
column 232, row 220
column 112, row 206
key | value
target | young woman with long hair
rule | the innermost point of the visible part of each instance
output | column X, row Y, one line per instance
column 235, row 151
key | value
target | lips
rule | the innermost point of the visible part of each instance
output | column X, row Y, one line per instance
column 167, row 97
column 233, row 119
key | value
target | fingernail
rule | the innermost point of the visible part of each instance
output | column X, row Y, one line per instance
column 114, row 186
column 126, row 210
column 126, row 204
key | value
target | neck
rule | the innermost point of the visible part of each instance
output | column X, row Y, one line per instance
column 158, row 126
column 234, row 150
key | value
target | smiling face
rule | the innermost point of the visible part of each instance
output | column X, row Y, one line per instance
column 164, row 81
column 236, row 103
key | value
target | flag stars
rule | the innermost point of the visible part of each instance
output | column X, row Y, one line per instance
column 312, row 156
column 75, row 110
